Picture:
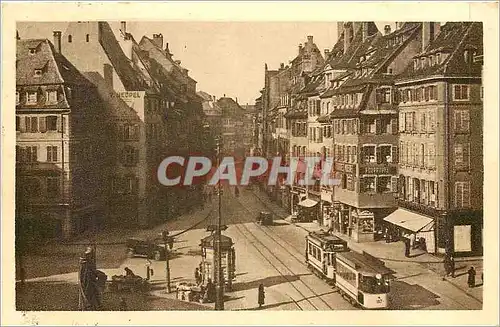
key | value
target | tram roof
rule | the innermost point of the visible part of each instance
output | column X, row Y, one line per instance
column 326, row 237
column 364, row 263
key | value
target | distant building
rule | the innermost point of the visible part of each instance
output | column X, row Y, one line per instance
column 60, row 178
column 235, row 141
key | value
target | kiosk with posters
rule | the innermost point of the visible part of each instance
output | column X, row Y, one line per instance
column 307, row 210
column 228, row 260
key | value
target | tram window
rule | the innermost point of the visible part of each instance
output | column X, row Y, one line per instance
column 373, row 285
column 310, row 249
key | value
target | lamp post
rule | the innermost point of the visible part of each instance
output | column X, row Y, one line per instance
column 219, row 277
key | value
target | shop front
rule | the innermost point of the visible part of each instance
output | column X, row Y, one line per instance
column 296, row 196
column 404, row 223
column 326, row 209
column 308, row 210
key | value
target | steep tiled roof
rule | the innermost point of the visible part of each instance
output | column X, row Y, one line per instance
column 129, row 75
column 33, row 54
column 454, row 38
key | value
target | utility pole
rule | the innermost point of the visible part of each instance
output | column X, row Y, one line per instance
column 219, row 277
column 167, row 259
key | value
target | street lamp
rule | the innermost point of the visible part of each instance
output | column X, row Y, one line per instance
column 219, row 278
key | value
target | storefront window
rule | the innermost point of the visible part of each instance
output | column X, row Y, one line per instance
column 366, row 225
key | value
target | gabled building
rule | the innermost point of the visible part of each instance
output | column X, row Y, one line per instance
column 365, row 125
column 441, row 140
column 235, row 140
column 136, row 110
column 60, row 156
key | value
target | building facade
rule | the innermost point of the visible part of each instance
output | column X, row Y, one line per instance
column 60, row 159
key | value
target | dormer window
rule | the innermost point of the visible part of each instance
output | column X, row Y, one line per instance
column 431, row 60
column 32, row 51
column 438, row 58
column 70, row 38
column 415, row 64
column 51, row 96
column 38, row 72
column 423, row 62
column 32, row 97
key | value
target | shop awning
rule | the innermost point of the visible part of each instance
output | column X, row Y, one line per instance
column 409, row 220
column 308, row 203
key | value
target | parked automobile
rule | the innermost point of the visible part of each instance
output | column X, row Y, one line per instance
column 151, row 249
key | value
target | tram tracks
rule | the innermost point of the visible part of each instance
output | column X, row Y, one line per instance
column 283, row 268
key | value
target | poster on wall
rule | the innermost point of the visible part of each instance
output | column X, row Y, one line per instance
column 462, row 237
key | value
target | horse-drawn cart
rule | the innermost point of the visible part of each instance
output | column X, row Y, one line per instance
column 132, row 284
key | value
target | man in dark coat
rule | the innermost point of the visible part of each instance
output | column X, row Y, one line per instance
column 471, row 280
column 407, row 247
column 262, row 295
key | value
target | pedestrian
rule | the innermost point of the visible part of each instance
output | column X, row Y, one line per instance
column 262, row 295
column 123, row 304
column 407, row 247
column 236, row 191
column 447, row 266
column 452, row 266
column 197, row 276
column 210, row 291
column 471, row 280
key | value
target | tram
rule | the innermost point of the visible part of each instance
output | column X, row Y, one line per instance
column 360, row 278
column 363, row 279
column 321, row 249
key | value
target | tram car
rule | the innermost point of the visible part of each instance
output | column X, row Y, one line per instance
column 321, row 249
column 363, row 279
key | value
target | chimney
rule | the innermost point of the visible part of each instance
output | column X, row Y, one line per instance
column 347, row 36
column 57, row 41
column 282, row 66
column 167, row 50
column 387, row 29
column 236, row 99
column 158, row 40
column 300, row 48
column 364, row 30
column 399, row 25
column 327, row 52
column 17, row 35
column 310, row 39
column 123, row 27
column 429, row 32
column 178, row 62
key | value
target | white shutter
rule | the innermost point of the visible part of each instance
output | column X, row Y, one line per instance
column 465, row 120
column 458, row 194
column 466, row 195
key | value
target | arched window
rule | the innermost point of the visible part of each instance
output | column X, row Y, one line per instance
column 70, row 38
column 87, row 37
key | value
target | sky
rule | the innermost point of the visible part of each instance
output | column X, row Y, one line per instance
column 225, row 58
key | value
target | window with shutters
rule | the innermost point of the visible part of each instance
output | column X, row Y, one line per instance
column 31, row 153
column 370, row 126
column 431, row 151
column 31, row 124
column 422, row 155
column 32, row 97
column 53, row 187
column 51, row 153
column 418, row 94
column 130, row 156
column 423, row 125
column 368, row 154
column 462, row 195
column 384, row 154
column 354, row 152
column 462, row 155
column 462, row 124
column 460, row 92
column 130, row 132
column 51, row 123
column 336, row 126
column 431, row 126
column 433, row 93
column 432, row 193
